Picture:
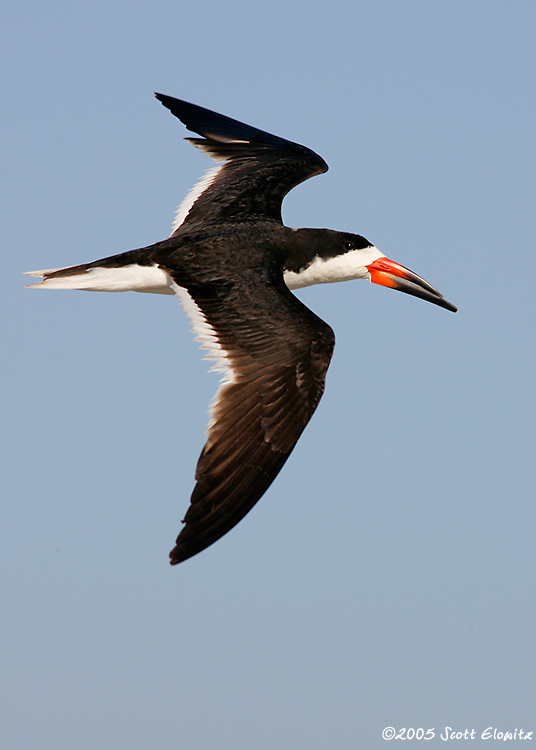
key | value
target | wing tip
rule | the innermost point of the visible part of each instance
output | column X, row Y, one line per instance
column 180, row 553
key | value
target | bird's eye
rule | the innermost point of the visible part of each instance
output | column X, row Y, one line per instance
column 348, row 245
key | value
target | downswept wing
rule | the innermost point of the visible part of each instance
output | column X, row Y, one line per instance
column 274, row 384
column 258, row 172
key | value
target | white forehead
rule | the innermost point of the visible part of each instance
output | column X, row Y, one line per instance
column 350, row 265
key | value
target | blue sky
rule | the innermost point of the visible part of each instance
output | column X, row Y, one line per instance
column 387, row 576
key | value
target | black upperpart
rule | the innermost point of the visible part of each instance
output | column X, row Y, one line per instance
column 226, row 260
column 308, row 244
column 260, row 168
column 216, row 127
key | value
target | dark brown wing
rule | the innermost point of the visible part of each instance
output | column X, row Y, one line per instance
column 259, row 170
column 278, row 365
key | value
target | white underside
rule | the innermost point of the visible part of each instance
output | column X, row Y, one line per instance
column 151, row 279
column 133, row 278
column 208, row 339
column 199, row 188
column 351, row 265
column 204, row 333
column 154, row 280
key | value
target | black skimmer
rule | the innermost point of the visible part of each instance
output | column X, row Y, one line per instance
column 232, row 263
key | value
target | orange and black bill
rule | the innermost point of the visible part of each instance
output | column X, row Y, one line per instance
column 388, row 273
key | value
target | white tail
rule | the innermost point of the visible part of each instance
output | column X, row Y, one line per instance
column 131, row 278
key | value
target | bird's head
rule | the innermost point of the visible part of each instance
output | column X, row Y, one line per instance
column 322, row 256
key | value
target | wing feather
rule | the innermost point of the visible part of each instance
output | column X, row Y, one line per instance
column 258, row 417
column 259, row 168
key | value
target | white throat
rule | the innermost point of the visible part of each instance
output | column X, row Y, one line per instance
column 350, row 265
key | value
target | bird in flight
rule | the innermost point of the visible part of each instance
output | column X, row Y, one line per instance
column 232, row 263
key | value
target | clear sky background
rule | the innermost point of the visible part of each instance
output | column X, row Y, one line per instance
column 387, row 576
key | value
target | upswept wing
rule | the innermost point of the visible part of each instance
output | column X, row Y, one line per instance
column 258, row 172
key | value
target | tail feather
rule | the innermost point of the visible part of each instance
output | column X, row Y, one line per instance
column 44, row 272
column 97, row 277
